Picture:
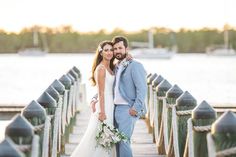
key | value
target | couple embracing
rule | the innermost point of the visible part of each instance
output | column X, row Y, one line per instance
column 121, row 89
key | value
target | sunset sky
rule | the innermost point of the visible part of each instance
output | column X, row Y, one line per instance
column 130, row 15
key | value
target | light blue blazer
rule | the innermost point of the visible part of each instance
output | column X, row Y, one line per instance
column 133, row 85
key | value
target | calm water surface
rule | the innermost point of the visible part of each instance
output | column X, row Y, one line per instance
column 210, row 78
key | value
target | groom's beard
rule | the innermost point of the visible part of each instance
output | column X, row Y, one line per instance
column 120, row 56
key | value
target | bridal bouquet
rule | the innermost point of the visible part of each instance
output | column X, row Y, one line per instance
column 108, row 136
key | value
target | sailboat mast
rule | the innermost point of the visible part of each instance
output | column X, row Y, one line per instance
column 226, row 36
column 35, row 37
column 150, row 39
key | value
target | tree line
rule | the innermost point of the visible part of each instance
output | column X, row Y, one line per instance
column 66, row 40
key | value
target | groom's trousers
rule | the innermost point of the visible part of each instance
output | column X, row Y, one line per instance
column 125, row 123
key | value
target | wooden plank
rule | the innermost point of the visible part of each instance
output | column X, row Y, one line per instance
column 142, row 143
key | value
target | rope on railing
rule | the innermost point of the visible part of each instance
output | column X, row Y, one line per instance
column 55, row 133
column 59, row 125
column 189, row 148
column 183, row 113
column 190, row 145
column 24, row 148
column 226, row 152
column 64, row 115
column 155, row 119
column 163, row 135
column 154, row 113
column 45, row 145
column 35, row 146
column 175, row 132
column 161, row 97
column 69, row 106
column 170, row 104
column 164, row 124
column 152, row 106
column 211, row 146
column 38, row 127
column 202, row 128
column 50, row 116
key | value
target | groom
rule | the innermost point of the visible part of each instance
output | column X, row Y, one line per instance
column 129, row 93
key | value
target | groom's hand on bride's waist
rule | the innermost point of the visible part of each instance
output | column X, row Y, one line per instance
column 92, row 104
column 132, row 112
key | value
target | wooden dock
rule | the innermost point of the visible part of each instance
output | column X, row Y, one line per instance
column 142, row 143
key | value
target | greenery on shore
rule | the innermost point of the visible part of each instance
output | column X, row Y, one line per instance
column 66, row 40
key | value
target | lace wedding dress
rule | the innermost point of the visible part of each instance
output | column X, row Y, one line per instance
column 87, row 146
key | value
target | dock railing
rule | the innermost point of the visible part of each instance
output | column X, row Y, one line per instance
column 181, row 127
column 44, row 125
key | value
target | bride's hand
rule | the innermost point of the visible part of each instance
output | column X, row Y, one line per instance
column 102, row 116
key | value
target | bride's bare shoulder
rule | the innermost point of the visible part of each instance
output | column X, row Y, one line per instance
column 101, row 70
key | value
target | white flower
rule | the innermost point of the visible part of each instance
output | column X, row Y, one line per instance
column 100, row 48
column 125, row 63
column 108, row 136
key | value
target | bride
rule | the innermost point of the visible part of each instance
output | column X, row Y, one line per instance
column 102, row 78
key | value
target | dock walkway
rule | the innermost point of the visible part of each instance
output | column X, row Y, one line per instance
column 142, row 143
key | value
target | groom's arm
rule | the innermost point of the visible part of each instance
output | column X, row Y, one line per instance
column 95, row 97
column 139, row 78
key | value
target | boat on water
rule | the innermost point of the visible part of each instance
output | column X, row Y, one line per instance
column 32, row 52
column 222, row 52
column 146, row 50
column 35, row 49
column 152, row 53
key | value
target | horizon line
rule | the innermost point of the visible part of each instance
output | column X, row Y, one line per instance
column 118, row 28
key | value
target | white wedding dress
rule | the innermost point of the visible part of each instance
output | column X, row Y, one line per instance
column 87, row 146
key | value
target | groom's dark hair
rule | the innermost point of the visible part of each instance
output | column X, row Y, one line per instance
column 117, row 39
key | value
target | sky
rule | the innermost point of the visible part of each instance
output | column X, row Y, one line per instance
column 129, row 15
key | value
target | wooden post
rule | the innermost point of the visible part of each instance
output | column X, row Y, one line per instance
column 9, row 149
column 171, row 96
column 66, row 81
column 161, row 89
column 80, row 98
column 58, row 86
column 73, row 74
column 224, row 134
column 149, row 83
column 61, row 89
column 36, row 115
column 75, row 84
column 203, row 116
column 53, row 92
column 147, row 96
column 50, row 105
column 184, row 105
column 154, row 107
column 72, row 95
column 78, row 72
column 21, row 132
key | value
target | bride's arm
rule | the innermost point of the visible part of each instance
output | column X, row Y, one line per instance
column 101, row 87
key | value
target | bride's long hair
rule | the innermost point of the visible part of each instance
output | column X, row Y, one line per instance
column 98, row 58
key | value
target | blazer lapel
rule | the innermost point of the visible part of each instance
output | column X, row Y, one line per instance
column 124, row 67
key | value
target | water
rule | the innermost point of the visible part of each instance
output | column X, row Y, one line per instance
column 23, row 79
column 210, row 78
